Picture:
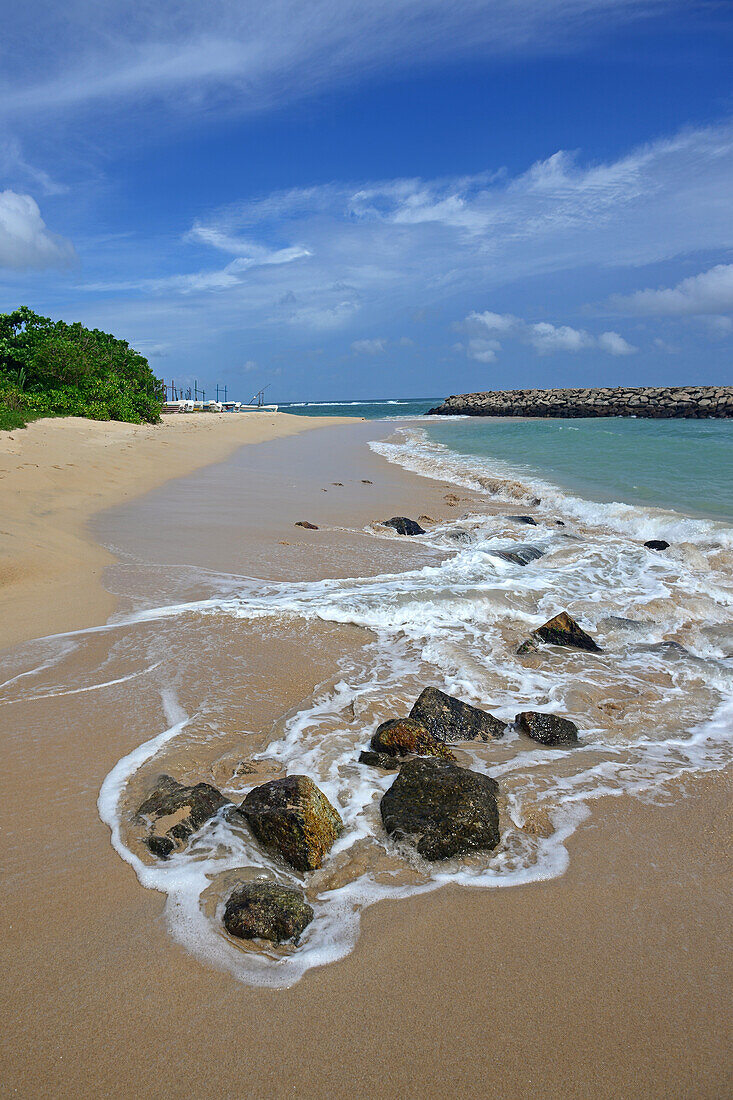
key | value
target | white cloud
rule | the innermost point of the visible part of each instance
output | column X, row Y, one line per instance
column 494, row 322
column 615, row 344
column 547, row 338
column 249, row 366
column 709, row 292
column 543, row 336
column 25, row 241
column 369, row 347
column 483, row 351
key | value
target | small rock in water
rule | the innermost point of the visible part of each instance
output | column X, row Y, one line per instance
column 442, row 809
column 657, row 544
column 305, row 523
column 450, row 719
column 160, row 846
column 563, row 630
column 523, row 519
column 366, row 481
column 188, row 807
column 266, row 911
column 520, row 555
column 380, row 760
column 339, row 484
column 548, row 729
column 406, row 737
column 404, row 526
column 425, row 519
column 295, row 818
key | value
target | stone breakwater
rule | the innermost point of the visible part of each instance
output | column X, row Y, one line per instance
column 680, row 401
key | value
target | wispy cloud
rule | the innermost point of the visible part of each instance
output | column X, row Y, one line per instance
column 184, row 56
column 369, row 347
column 25, row 240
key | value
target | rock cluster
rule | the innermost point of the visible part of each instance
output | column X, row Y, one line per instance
column 695, row 402
column 176, row 812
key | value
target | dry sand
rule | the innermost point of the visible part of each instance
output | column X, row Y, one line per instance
column 611, row 981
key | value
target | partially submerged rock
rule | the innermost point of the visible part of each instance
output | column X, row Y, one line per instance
column 657, row 544
column 442, row 809
column 176, row 812
column 450, row 719
column 404, row 526
column 292, row 816
column 267, row 911
column 380, row 760
column 307, row 524
column 519, row 555
column 405, row 737
column 548, row 729
column 529, row 520
column 563, row 630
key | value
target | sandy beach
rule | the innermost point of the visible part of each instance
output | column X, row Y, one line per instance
column 611, row 980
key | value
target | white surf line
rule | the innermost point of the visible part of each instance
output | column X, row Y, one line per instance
column 116, row 780
column 79, row 691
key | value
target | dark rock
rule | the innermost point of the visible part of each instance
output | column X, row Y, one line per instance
column 160, row 846
column 560, row 522
column 407, row 737
column 563, row 630
column 380, row 760
column 266, row 911
column 189, row 808
column 366, row 481
column 523, row 519
column 308, row 526
column 548, row 729
column 404, row 526
column 441, row 808
column 295, row 818
column 530, row 645
column 657, row 544
column 450, row 719
column 520, row 555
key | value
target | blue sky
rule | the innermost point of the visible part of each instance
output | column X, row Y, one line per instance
column 383, row 198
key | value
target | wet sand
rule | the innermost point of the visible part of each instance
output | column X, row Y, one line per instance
column 56, row 473
column 613, row 980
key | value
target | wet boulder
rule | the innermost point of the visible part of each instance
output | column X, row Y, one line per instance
column 404, row 526
column 520, row 555
column 547, row 729
column 528, row 520
column 563, row 630
column 406, row 737
column 657, row 544
column 175, row 812
column 380, row 760
column 442, row 809
column 266, row 911
column 307, row 524
column 450, row 719
column 293, row 817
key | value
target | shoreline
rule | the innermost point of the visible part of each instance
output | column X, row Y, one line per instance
column 601, row 982
column 56, row 474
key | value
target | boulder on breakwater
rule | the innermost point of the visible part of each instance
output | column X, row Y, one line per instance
column 695, row 402
column 442, row 809
column 293, row 817
column 266, row 911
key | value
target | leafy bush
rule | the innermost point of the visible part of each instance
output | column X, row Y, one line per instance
column 54, row 368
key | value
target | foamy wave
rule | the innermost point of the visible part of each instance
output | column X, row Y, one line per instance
column 501, row 481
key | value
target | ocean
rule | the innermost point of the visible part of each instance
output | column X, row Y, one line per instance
column 654, row 707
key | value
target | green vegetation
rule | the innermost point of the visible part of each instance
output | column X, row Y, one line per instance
column 51, row 368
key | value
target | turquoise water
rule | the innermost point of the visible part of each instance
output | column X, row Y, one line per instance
column 685, row 465
column 370, row 410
